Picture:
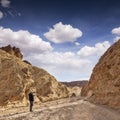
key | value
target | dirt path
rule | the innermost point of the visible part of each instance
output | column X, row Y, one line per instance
column 65, row 109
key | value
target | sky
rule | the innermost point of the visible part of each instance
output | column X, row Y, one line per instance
column 64, row 37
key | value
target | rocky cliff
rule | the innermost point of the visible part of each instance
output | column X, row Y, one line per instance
column 17, row 78
column 104, row 84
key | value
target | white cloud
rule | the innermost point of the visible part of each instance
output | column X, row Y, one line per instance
column 5, row 3
column 1, row 15
column 116, row 31
column 63, row 33
column 70, row 65
column 77, row 43
column 65, row 66
column 117, row 38
column 98, row 49
column 65, row 61
column 27, row 42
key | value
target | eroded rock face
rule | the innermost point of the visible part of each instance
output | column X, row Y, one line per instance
column 47, row 88
column 18, row 77
column 104, row 84
column 14, row 80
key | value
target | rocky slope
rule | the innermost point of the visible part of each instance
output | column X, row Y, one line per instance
column 17, row 78
column 104, row 84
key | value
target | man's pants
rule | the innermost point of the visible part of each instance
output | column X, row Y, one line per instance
column 31, row 105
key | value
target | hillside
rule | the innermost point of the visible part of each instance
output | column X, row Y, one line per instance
column 17, row 78
column 104, row 84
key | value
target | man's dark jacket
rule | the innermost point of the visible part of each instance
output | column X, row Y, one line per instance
column 31, row 97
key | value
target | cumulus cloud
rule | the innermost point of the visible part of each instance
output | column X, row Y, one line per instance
column 65, row 61
column 98, row 49
column 62, row 64
column 27, row 42
column 1, row 15
column 61, row 33
column 65, row 66
column 5, row 3
column 116, row 31
column 76, row 65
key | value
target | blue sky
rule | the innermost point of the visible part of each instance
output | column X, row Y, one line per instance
column 64, row 37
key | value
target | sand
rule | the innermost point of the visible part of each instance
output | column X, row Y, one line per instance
column 76, row 108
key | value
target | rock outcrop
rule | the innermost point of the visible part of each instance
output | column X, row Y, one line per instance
column 104, row 84
column 17, row 78
column 47, row 87
column 13, row 51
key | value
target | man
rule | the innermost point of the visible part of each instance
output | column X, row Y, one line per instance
column 31, row 99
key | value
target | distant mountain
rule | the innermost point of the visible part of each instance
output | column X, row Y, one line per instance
column 75, row 83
